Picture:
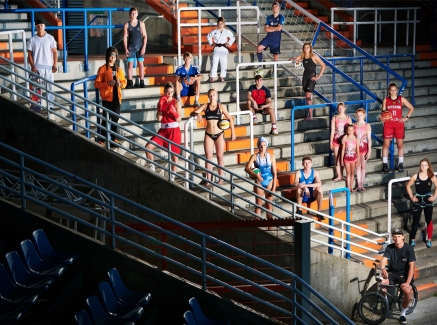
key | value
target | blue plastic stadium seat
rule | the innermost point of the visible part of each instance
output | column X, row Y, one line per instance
column 116, row 308
column 189, row 318
column 99, row 315
column 125, row 295
column 48, row 253
column 35, row 264
column 11, row 314
column 200, row 317
column 22, row 277
column 11, row 293
column 82, row 318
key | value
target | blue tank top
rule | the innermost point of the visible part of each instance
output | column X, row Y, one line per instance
column 265, row 167
column 134, row 41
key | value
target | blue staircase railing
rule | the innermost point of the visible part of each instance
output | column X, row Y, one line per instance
column 204, row 254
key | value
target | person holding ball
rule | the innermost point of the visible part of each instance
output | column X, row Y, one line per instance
column 264, row 173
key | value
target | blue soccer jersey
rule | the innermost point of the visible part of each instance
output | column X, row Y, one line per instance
column 191, row 72
column 273, row 22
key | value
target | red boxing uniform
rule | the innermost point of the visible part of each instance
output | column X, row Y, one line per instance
column 395, row 127
column 169, row 125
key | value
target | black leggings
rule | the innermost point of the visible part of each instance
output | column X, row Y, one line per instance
column 115, row 107
column 427, row 207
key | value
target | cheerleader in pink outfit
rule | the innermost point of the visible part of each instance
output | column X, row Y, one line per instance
column 350, row 155
column 338, row 123
column 363, row 131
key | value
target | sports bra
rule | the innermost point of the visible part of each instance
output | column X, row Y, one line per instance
column 213, row 115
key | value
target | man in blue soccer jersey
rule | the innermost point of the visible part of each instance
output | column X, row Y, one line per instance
column 273, row 28
column 188, row 79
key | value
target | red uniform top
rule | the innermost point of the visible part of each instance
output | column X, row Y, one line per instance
column 394, row 107
column 168, row 110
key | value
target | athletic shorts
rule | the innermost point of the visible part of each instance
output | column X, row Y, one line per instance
column 350, row 159
column 308, row 198
column 187, row 90
column 308, row 85
column 173, row 134
column 364, row 147
column 135, row 55
column 394, row 278
column 394, row 129
column 275, row 48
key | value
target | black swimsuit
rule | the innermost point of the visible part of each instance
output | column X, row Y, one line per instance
column 309, row 72
column 213, row 115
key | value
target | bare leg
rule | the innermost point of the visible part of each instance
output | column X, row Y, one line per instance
column 309, row 99
column 196, row 86
column 141, row 68
column 348, row 176
column 208, row 145
column 400, row 144
column 385, row 146
column 219, row 152
column 338, row 167
column 130, row 68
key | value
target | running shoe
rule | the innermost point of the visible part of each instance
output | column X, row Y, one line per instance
column 274, row 132
column 385, row 168
column 401, row 167
column 152, row 167
column 196, row 103
column 413, row 243
column 255, row 120
column 403, row 320
column 429, row 243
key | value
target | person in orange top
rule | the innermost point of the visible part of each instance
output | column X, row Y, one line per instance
column 110, row 80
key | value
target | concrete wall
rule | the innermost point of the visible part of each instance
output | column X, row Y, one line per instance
column 338, row 280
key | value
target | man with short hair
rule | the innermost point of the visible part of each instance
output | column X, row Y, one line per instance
column 188, row 79
column 43, row 56
column 259, row 100
column 273, row 28
column 400, row 259
column 309, row 186
column 134, row 41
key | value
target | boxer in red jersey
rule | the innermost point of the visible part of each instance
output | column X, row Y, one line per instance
column 394, row 127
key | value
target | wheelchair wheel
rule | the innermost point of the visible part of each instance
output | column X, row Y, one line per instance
column 413, row 300
column 373, row 308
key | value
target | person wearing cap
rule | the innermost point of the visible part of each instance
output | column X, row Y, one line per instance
column 259, row 100
column 110, row 80
column 400, row 260
column 266, row 177
column 42, row 55
column 134, row 41
column 309, row 186
column 273, row 28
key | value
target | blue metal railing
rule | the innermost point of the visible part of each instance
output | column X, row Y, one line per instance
column 109, row 27
column 348, row 220
column 317, row 106
column 84, row 82
column 205, row 265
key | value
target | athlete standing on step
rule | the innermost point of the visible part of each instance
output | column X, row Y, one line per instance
column 395, row 128
column 220, row 39
column 135, row 40
column 273, row 28
column 363, row 131
column 214, row 136
column 423, row 199
column 350, row 155
column 309, row 61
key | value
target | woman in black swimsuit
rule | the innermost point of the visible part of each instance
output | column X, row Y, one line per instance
column 213, row 134
column 309, row 61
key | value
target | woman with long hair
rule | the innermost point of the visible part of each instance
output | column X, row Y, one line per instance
column 214, row 136
column 310, row 61
column 363, row 131
column 423, row 199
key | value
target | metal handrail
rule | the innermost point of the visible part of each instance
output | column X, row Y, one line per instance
column 389, row 194
column 109, row 26
column 199, row 25
column 205, row 264
column 82, row 30
column 376, row 23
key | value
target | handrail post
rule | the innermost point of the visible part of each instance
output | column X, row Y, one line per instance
column 331, row 107
column 112, row 213
column 47, row 99
column 348, row 211
column 85, row 39
column 231, row 179
column 395, row 32
column 170, row 163
column 64, row 43
column 392, row 154
column 87, row 123
column 23, row 186
column 203, row 263
column 331, row 223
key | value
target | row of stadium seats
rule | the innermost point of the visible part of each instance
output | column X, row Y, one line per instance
column 195, row 315
column 24, row 279
column 117, row 304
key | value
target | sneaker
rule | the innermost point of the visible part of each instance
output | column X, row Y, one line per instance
column 413, row 243
column 196, row 103
column 401, row 167
column 385, row 168
column 274, row 132
column 255, row 120
column 299, row 211
column 172, row 178
column 402, row 320
column 152, row 167
column 429, row 243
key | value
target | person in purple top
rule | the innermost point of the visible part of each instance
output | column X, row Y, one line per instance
column 273, row 28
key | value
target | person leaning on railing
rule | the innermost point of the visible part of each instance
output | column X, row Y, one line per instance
column 110, row 80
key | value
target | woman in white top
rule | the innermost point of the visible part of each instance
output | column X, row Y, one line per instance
column 220, row 39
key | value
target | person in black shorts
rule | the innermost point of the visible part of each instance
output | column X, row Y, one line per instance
column 423, row 199
column 309, row 61
column 400, row 259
